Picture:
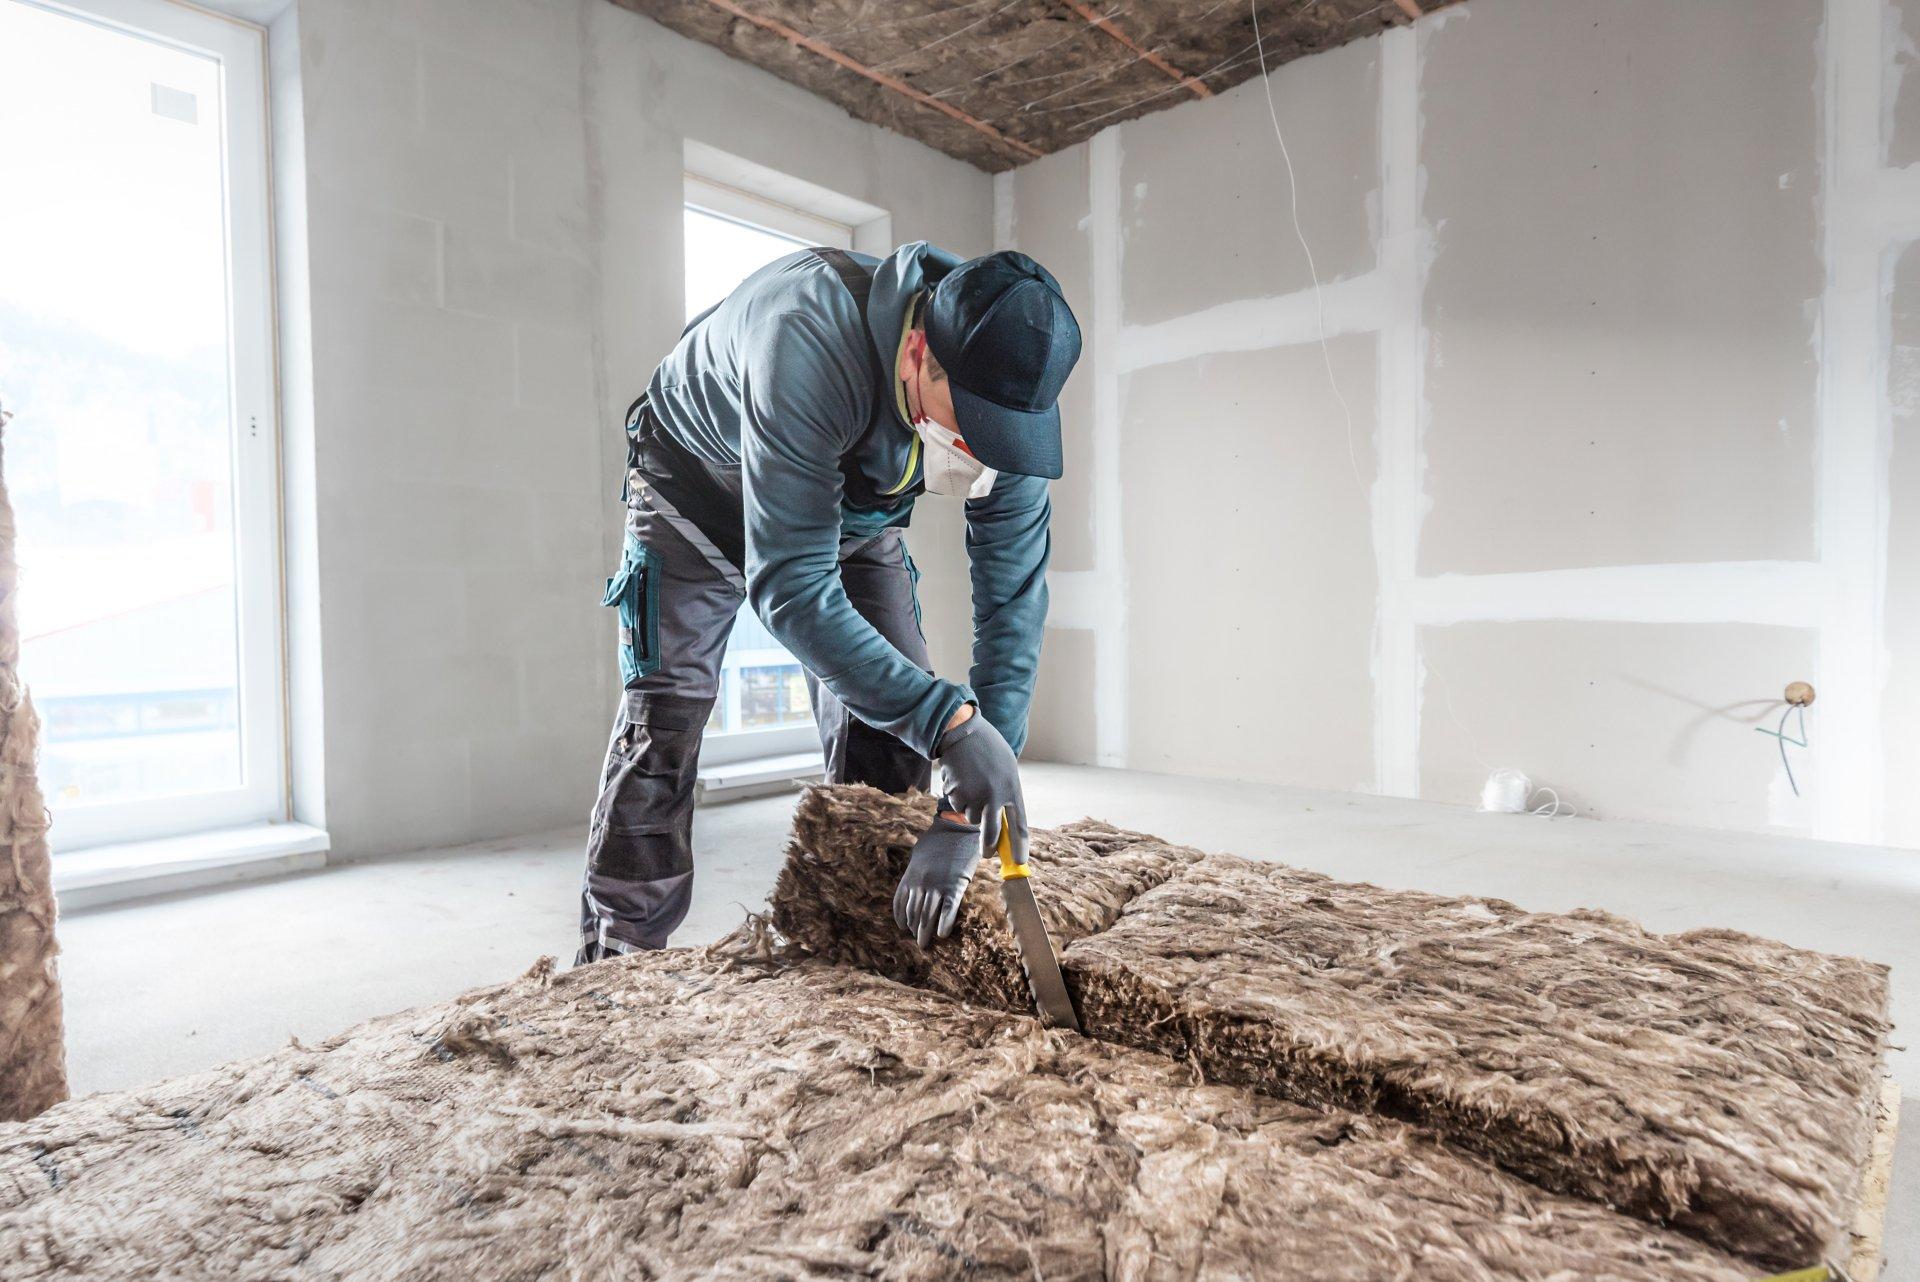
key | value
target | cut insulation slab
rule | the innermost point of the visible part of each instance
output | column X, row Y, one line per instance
column 1714, row 1081
column 33, row 1063
column 682, row 1115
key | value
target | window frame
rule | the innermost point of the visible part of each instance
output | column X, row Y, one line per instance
column 239, row 48
column 762, row 213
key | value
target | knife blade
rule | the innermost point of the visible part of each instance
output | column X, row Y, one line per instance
column 1030, row 935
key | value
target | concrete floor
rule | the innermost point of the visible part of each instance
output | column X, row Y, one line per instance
column 171, row 985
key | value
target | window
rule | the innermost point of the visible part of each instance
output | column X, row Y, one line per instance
column 136, row 350
column 730, row 234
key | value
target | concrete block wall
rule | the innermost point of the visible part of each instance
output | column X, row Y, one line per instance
column 1620, row 307
column 482, row 269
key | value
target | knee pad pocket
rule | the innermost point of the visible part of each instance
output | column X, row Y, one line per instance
column 651, row 770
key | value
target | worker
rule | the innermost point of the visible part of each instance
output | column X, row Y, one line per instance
column 775, row 457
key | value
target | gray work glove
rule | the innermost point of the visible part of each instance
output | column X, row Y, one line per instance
column 936, row 880
column 982, row 780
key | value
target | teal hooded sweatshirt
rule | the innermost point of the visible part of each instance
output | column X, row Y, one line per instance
column 778, row 382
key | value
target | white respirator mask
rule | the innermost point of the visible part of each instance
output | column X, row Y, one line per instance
column 947, row 467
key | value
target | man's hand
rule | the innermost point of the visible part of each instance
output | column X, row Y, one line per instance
column 982, row 781
column 935, row 883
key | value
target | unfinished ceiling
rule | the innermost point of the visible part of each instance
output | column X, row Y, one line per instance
column 997, row 83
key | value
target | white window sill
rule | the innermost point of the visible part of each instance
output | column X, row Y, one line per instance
column 756, row 776
column 133, row 870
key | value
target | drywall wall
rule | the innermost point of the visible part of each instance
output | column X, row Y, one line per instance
column 1899, row 132
column 1634, row 438
column 1058, row 183
column 1176, row 196
column 1900, row 699
column 1058, row 725
column 1643, row 715
column 490, row 257
column 1621, row 362
column 1250, row 648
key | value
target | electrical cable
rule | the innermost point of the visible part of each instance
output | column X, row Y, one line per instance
column 1784, row 739
column 1229, row 63
column 911, row 54
column 1552, row 809
column 866, row 26
column 1115, row 69
column 1506, row 791
column 1293, row 197
column 1009, row 65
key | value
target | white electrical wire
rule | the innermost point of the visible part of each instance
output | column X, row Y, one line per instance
column 1552, row 808
column 1293, row 198
column 1508, row 792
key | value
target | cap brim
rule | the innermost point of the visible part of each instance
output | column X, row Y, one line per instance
column 1023, row 442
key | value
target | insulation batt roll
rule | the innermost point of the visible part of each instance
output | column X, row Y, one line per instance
column 1710, row 1081
column 1506, row 792
column 33, row 1066
column 747, row 1093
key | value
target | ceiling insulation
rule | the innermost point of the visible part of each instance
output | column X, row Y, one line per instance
column 997, row 83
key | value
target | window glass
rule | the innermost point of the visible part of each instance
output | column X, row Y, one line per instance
column 114, row 359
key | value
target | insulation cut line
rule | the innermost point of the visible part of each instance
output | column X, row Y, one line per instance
column 1196, row 957
column 880, row 78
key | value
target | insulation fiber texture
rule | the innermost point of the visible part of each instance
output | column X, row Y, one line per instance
column 1713, row 1081
column 683, row 1115
column 33, row 1063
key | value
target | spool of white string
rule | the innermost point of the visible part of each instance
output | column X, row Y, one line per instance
column 1506, row 792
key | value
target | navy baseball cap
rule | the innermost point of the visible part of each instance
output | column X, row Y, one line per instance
column 1007, row 340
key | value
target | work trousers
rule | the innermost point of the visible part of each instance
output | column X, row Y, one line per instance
column 677, row 597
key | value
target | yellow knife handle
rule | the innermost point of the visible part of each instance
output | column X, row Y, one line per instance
column 1009, row 869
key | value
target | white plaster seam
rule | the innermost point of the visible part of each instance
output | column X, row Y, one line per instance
column 1356, row 305
column 1856, row 197
column 1777, row 593
column 1399, row 369
column 1003, row 210
column 1111, row 671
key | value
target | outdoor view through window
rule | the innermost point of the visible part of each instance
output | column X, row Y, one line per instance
column 114, row 363
column 761, row 685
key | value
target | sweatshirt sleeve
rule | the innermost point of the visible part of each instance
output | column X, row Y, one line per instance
column 805, row 402
column 1008, row 545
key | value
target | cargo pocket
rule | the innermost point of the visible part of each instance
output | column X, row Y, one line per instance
column 634, row 591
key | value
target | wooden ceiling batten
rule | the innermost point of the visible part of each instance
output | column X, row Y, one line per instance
column 881, row 78
column 996, row 83
column 1107, row 27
